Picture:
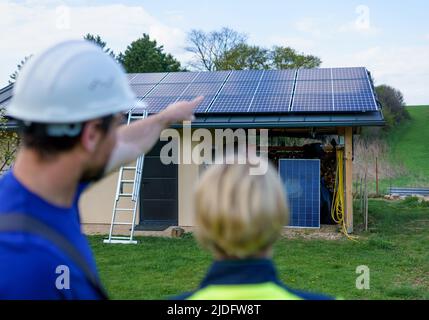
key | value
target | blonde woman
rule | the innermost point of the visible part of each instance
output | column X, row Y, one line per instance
column 238, row 218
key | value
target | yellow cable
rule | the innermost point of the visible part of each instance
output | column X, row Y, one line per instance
column 337, row 210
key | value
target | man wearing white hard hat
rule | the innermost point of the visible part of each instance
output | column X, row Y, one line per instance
column 69, row 102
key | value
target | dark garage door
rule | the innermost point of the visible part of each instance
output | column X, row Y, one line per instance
column 159, row 193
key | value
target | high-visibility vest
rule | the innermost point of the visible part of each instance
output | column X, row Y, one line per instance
column 259, row 291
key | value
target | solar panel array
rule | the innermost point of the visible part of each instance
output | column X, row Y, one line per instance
column 301, row 179
column 5, row 96
column 260, row 91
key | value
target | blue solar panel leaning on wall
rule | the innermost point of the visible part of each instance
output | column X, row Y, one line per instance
column 301, row 178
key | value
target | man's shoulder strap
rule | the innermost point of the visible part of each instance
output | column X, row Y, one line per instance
column 19, row 222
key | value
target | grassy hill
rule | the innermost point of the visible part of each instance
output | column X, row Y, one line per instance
column 410, row 142
column 409, row 146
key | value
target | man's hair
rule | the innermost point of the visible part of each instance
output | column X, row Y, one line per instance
column 238, row 214
column 36, row 136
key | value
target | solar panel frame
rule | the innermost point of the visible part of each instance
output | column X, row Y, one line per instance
column 301, row 179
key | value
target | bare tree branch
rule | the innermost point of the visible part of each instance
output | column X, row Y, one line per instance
column 209, row 48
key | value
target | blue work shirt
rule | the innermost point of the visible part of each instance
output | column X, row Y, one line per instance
column 28, row 263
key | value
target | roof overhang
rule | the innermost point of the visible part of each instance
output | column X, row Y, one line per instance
column 363, row 119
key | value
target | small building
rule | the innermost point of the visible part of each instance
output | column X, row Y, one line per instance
column 330, row 105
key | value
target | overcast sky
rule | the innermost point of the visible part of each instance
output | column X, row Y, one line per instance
column 390, row 38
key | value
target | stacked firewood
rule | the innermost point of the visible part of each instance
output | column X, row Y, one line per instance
column 328, row 166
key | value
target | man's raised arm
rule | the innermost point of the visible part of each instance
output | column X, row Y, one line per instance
column 140, row 136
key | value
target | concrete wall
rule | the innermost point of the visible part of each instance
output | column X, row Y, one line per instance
column 96, row 203
column 188, row 176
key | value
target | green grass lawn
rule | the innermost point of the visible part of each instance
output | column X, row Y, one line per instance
column 395, row 249
column 409, row 145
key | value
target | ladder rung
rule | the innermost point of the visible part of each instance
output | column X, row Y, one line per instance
column 124, row 209
column 123, row 223
column 125, row 194
column 129, row 168
column 127, row 181
column 120, row 238
column 125, row 241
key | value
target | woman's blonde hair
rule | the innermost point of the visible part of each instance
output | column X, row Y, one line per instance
column 238, row 214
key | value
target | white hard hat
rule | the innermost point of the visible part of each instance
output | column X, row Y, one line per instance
column 72, row 82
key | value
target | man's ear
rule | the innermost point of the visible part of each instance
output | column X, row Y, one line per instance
column 91, row 136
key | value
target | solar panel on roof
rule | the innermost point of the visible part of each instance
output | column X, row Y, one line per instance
column 4, row 103
column 313, row 95
column 180, row 77
column 353, row 95
column 272, row 96
column 259, row 91
column 311, row 102
column 313, row 86
column 348, row 73
column 214, row 76
column 301, row 178
column 235, row 97
column 314, row 74
column 131, row 75
column 141, row 90
column 163, row 95
column 207, row 89
column 275, row 87
column 279, row 75
column 245, row 75
column 147, row 78
column 6, row 94
column 271, row 103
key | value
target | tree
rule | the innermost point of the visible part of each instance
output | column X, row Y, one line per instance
column 14, row 75
column 144, row 55
column 210, row 48
column 227, row 49
column 393, row 104
column 288, row 58
column 244, row 57
column 9, row 141
column 99, row 42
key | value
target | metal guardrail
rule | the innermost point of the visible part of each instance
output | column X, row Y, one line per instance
column 409, row 191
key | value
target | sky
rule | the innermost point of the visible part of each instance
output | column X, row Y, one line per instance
column 389, row 38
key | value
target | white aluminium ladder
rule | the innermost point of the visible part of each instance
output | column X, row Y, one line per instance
column 125, row 203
